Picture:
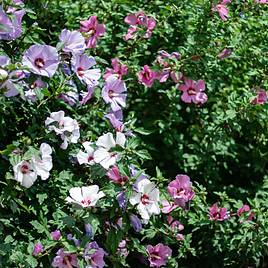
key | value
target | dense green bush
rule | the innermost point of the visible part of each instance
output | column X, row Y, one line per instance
column 221, row 143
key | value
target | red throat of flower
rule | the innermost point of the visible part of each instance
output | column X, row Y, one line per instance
column 191, row 91
column 80, row 71
column 86, row 201
column 145, row 199
column 39, row 63
column 67, row 261
column 25, row 168
column 111, row 93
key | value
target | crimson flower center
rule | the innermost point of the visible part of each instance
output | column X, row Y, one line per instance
column 80, row 71
column 86, row 201
column 111, row 93
column 145, row 199
column 191, row 91
column 24, row 168
column 39, row 63
column 90, row 158
column 155, row 256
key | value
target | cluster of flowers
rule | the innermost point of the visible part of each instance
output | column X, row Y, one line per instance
column 193, row 91
column 220, row 213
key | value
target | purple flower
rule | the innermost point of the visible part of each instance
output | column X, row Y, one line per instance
column 86, row 95
column 118, row 69
column 41, row 59
column 158, row 254
column 217, row 214
column 146, row 76
column 94, row 255
column 65, row 260
column 92, row 30
column 122, row 201
column 56, row 235
column 81, row 65
column 38, row 248
column 117, row 124
column 138, row 20
column 122, row 249
column 10, row 25
column 72, row 41
column 181, row 190
column 245, row 209
column 136, row 223
column 261, row 97
column 89, row 230
column 69, row 97
column 116, row 177
column 225, row 53
column 193, row 91
column 114, row 92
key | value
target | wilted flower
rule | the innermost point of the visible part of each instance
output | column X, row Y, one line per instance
column 85, row 96
column 102, row 155
column 30, row 94
column 72, row 41
column 122, row 201
column 147, row 198
column 135, row 222
column 86, row 157
column 217, row 214
column 38, row 248
column 146, row 76
column 168, row 206
column 64, row 126
column 118, row 69
column 225, row 53
column 114, row 92
column 137, row 20
column 193, row 91
column 91, row 30
column 158, row 254
column 65, row 260
column 89, row 230
column 181, row 190
column 245, row 209
column 82, row 66
column 222, row 9
column 56, row 235
column 41, row 59
column 85, row 196
column 116, row 123
column 94, row 255
column 122, row 249
column 116, row 177
column 261, row 97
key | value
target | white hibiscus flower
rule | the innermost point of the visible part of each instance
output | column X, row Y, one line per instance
column 147, row 198
column 105, row 143
column 87, row 156
column 85, row 196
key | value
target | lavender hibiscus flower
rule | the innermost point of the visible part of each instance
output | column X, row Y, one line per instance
column 41, row 59
column 114, row 92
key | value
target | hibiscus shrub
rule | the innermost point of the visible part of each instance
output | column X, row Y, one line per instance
column 133, row 134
